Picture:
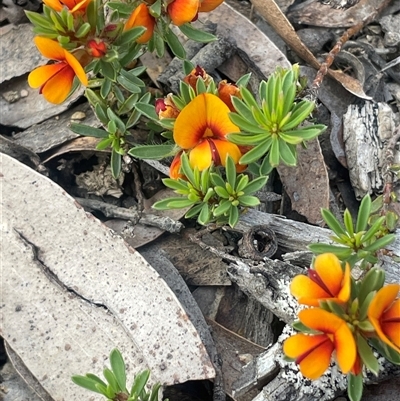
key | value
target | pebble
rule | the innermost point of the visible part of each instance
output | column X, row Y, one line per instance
column 78, row 115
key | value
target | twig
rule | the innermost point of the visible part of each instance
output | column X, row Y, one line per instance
column 323, row 70
column 162, row 222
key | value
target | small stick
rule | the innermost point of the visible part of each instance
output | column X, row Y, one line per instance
column 323, row 70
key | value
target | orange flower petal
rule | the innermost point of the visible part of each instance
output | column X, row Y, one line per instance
column 76, row 66
column 313, row 353
column 307, row 291
column 175, row 167
column 382, row 300
column 80, row 6
column 201, row 156
column 49, row 48
column 182, row 11
column 58, row 87
column 379, row 309
column 209, row 5
column 40, row 75
column 346, row 350
column 321, row 320
column 53, row 4
column 141, row 17
column 330, row 271
column 224, row 148
column 317, row 362
column 344, row 293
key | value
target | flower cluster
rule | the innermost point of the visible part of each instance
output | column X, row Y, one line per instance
column 344, row 317
column 103, row 41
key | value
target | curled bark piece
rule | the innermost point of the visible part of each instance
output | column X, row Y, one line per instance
column 258, row 243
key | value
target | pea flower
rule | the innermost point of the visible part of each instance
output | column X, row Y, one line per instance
column 74, row 6
column 201, row 128
column 166, row 108
column 141, row 17
column 183, row 11
column 326, row 281
column 313, row 352
column 226, row 90
column 55, row 80
column 96, row 48
column 384, row 315
column 196, row 74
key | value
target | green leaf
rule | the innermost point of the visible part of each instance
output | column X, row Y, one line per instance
column 128, row 85
column 107, row 70
column 222, row 208
column 299, row 113
column 105, row 88
column 130, row 35
column 230, row 171
column 251, row 140
column 249, row 201
column 147, row 110
column 306, row 133
column 110, row 377
column 124, row 9
column 243, row 80
column 354, row 386
column 299, row 326
column 196, row 34
column 91, row 12
column 373, row 230
column 233, row 216
column 265, row 167
column 377, row 204
column 118, row 367
column 87, row 383
column 373, row 281
column 128, row 104
column 174, row 44
column 363, row 213
column 153, row 152
column 366, row 354
column 388, row 352
column 172, row 203
column 243, row 109
column 348, row 223
column 255, row 185
column 243, row 180
column 155, row 9
column 86, row 130
column 222, row 192
column 217, row 180
column 187, row 67
column 187, row 170
column 380, row 243
column 274, row 155
column 332, row 222
column 132, row 53
column 132, row 76
column 286, row 153
column 39, row 20
column 113, row 117
column 194, row 211
column 257, row 152
column 83, row 30
column 154, row 392
column 340, row 251
column 116, row 161
column 204, row 215
column 140, row 382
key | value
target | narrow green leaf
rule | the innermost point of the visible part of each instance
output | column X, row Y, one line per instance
column 255, row 185
column 366, row 354
column 130, row 35
column 196, row 34
column 83, row 30
column 249, row 201
column 86, row 130
column 107, row 70
column 174, row 44
column 194, row 211
column 243, row 180
column 222, row 208
column 373, row 230
column 217, row 180
column 140, row 382
column 348, row 223
column 230, row 171
column 186, row 169
column 39, row 20
column 388, row 352
column 332, row 222
column 299, row 113
column 110, row 377
column 306, row 133
column 86, row 382
column 204, row 215
column 257, row 152
column 233, row 216
column 286, row 153
column 274, row 154
column 380, row 243
column 128, row 85
column 354, row 386
column 116, row 162
column 91, row 12
column 243, row 109
column 152, row 152
column 221, row 192
column 105, row 88
column 113, row 117
column 243, row 80
column 132, row 76
column 340, row 251
column 250, row 140
column 363, row 213
column 147, row 110
column 118, row 367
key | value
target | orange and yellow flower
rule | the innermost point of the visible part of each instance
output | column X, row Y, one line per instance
column 326, row 281
column 225, row 92
column 74, row 6
column 201, row 128
column 166, row 108
column 55, row 80
column 141, row 17
column 196, row 74
column 96, row 48
column 183, row 11
column 313, row 351
column 384, row 315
